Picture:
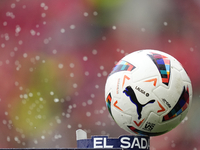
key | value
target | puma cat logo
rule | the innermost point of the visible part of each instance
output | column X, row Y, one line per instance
column 131, row 94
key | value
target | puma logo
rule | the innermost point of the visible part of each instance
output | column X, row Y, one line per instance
column 131, row 94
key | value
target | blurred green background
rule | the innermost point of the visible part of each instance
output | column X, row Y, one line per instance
column 55, row 57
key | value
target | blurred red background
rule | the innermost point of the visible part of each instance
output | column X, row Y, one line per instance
column 56, row 56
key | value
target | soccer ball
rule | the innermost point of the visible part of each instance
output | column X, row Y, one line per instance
column 148, row 92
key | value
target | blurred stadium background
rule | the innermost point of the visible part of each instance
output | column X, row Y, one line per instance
column 56, row 55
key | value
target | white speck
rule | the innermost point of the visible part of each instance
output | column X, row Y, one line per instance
column 54, row 51
column 62, row 30
column 101, row 67
column 16, row 138
column 6, row 113
column 166, row 138
column 16, row 83
column 103, row 38
column 15, row 48
column 79, row 125
column 25, row 96
column 3, row 45
column 46, row 7
column 98, row 123
column 32, row 32
column 85, row 58
column 51, row 93
column 69, row 126
column 70, row 106
column 98, row 74
column 17, row 29
column 191, row 49
column 71, row 74
column 89, row 102
column 103, row 132
column 7, row 37
column 143, row 29
column 21, row 96
column 30, row 94
column 31, row 69
column 58, row 121
column 39, row 116
column 96, row 86
column 8, row 138
column 24, row 6
column 25, row 55
column 94, row 51
column 71, row 65
column 88, row 114
column 114, row 27
column 75, row 85
column 173, row 145
column 46, row 41
column 60, row 66
column 72, row 26
column 105, row 73
column 56, row 100
column 44, row 22
column 87, row 73
column 20, row 42
column 42, row 137
column 92, row 95
column 67, row 115
column 85, row 14
column 4, row 122
column 10, row 14
column 95, row 13
column 84, row 104
column 76, row 93
column 185, row 119
column 35, row 141
column 165, row 23
column 5, row 23
column 57, row 136
column 169, row 41
column 37, row 57
column 7, row 61
column 42, row 4
column 13, row 5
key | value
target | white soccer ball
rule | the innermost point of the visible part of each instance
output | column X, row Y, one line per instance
column 148, row 92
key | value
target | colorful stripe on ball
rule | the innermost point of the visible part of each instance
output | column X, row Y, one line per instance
column 122, row 66
column 143, row 133
column 180, row 106
column 108, row 103
column 163, row 65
